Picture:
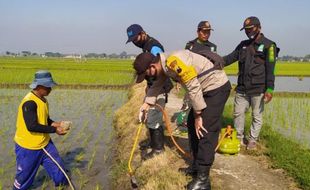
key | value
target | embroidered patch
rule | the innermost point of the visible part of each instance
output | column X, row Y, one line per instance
column 185, row 72
column 260, row 48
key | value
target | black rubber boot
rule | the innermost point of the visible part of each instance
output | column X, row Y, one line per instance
column 189, row 171
column 157, row 143
column 147, row 143
column 200, row 182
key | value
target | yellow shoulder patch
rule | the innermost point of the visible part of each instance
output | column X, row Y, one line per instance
column 185, row 72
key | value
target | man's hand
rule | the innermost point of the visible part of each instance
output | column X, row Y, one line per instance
column 199, row 126
column 61, row 131
column 143, row 112
column 267, row 97
column 56, row 124
column 62, row 127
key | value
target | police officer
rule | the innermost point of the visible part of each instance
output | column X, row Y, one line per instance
column 202, row 40
column 154, row 121
column 256, row 58
column 198, row 45
column 208, row 90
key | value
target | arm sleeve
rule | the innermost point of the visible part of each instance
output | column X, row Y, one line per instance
column 270, row 67
column 156, row 50
column 195, row 94
column 155, row 90
column 49, row 121
column 232, row 57
column 31, row 119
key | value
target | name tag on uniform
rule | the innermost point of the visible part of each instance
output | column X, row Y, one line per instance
column 260, row 48
column 212, row 49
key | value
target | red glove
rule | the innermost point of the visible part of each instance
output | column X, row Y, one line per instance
column 267, row 97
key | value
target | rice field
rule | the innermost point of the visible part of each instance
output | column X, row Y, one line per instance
column 286, row 115
column 300, row 69
column 67, row 71
column 86, row 149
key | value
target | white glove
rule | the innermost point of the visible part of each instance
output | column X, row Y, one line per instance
column 143, row 112
column 142, row 115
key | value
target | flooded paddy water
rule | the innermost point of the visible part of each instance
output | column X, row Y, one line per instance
column 86, row 149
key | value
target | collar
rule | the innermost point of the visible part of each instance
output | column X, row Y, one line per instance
column 259, row 39
column 201, row 42
column 163, row 58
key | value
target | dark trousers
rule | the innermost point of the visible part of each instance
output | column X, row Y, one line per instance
column 203, row 149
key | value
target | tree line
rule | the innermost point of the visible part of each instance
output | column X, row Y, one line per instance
column 124, row 55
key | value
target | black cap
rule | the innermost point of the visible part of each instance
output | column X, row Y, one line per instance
column 204, row 25
column 250, row 22
column 141, row 64
column 133, row 31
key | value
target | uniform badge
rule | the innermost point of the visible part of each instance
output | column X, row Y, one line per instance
column 260, row 48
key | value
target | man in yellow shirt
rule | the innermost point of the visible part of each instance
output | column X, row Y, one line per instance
column 32, row 140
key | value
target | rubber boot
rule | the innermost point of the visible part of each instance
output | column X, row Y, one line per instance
column 157, row 142
column 200, row 182
column 146, row 144
column 190, row 170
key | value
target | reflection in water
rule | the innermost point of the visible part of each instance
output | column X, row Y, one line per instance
column 286, row 84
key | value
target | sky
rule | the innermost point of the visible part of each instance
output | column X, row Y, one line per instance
column 99, row 26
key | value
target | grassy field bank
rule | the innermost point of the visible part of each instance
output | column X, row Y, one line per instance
column 286, row 152
column 157, row 173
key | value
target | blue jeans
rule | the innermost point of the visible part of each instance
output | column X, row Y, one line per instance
column 242, row 103
column 28, row 162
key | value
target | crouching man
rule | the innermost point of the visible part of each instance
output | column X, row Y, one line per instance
column 208, row 88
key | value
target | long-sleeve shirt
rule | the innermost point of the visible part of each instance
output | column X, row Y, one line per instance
column 191, row 70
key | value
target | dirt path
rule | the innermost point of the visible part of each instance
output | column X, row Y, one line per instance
column 241, row 171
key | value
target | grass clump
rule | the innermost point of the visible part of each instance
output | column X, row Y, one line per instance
column 160, row 172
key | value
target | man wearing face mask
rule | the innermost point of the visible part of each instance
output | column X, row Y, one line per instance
column 256, row 62
column 154, row 121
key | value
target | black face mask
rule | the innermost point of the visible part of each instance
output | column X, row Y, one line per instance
column 139, row 43
column 150, row 79
column 252, row 35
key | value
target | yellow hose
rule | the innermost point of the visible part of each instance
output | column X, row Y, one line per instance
column 133, row 149
column 168, row 126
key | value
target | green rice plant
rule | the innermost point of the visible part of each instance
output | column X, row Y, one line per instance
column 79, row 157
column 45, row 184
column 98, row 187
column 91, row 161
